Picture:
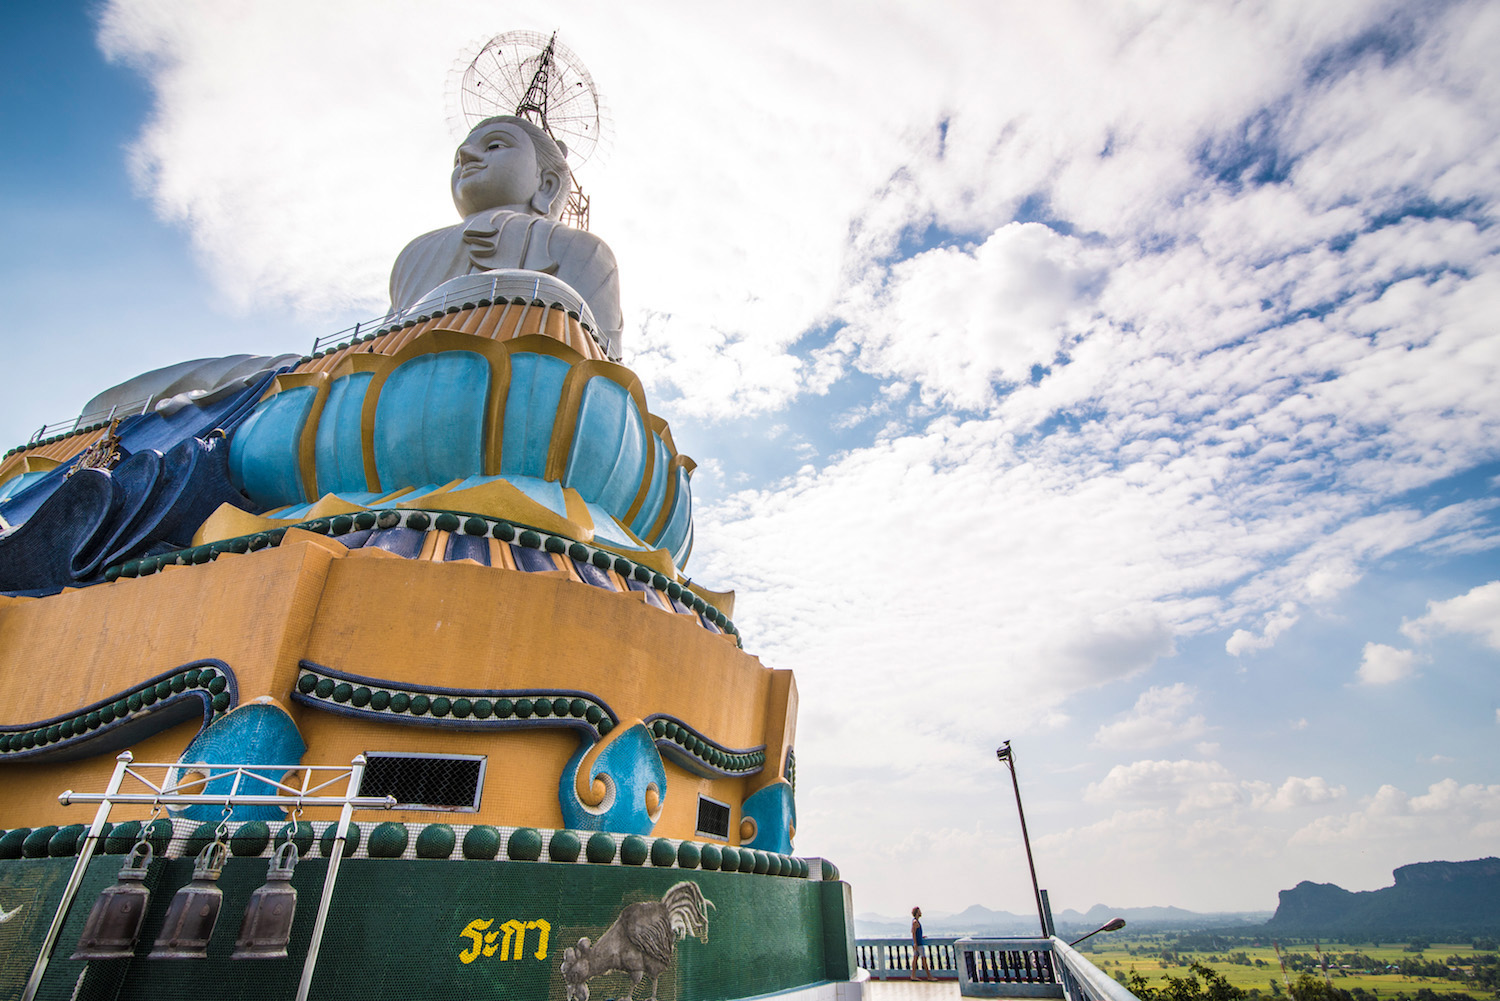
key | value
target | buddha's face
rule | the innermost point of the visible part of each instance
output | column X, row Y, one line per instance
column 496, row 167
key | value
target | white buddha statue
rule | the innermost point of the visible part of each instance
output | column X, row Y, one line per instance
column 510, row 184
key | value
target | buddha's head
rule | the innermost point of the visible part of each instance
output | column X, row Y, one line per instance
column 507, row 162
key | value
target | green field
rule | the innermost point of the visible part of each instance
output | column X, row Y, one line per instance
column 1251, row 964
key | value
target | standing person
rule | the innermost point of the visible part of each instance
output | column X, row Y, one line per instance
column 918, row 949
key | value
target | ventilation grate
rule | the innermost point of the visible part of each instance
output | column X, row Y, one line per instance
column 425, row 781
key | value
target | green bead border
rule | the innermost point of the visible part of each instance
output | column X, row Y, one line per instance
column 688, row 746
column 462, row 522
column 412, row 321
column 27, row 446
column 481, row 709
column 212, row 679
column 428, row 841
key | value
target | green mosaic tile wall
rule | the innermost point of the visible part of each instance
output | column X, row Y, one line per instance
column 418, row 929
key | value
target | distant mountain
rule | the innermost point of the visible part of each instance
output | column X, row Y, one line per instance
column 1156, row 918
column 1451, row 900
column 977, row 920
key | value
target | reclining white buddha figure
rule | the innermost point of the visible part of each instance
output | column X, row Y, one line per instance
column 510, row 184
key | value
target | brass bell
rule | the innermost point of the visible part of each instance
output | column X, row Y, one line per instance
column 194, row 909
column 267, row 927
column 115, row 922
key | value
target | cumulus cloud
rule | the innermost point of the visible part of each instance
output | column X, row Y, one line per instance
column 1297, row 792
column 1186, row 785
column 1189, row 786
column 1465, row 816
column 1243, row 641
column 1476, row 612
column 1383, row 665
column 1158, row 718
column 1161, row 339
column 959, row 321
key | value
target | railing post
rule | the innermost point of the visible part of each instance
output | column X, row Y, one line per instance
column 356, row 776
column 79, row 868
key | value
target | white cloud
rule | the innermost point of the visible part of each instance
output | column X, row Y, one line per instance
column 1464, row 818
column 1246, row 379
column 1477, row 612
column 1276, row 623
column 1298, row 792
column 956, row 321
column 1185, row 785
column 1189, row 786
column 1383, row 665
column 1157, row 719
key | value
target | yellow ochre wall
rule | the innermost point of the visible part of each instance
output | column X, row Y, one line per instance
column 366, row 612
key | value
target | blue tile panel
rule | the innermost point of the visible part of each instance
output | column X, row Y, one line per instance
column 653, row 597
column 255, row 734
column 429, row 422
column 468, row 547
column 15, row 485
column 775, row 814
column 532, row 560
column 547, row 493
column 536, row 383
column 591, row 574
column 263, row 455
column 628, row 764
column 656, row 493
column 675, row 535
column 608, row 459
column 340, row 445
column 607, row 530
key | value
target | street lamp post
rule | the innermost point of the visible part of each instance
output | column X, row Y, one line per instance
column 1003, row 752
column 1113, row 924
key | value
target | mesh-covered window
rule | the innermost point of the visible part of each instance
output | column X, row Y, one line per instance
column 425, row 781
column 713, row 818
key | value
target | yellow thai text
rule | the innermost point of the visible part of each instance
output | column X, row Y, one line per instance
column 509, row 939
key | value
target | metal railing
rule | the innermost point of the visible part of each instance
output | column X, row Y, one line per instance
column 488, row 287
column 1084, row 981
column 173, row 789
column 892, row 958
column 1032, row 968
column 429, row 305
column 339, row 338
column 75, row 424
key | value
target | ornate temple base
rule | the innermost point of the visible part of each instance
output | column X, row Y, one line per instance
column 419, row 928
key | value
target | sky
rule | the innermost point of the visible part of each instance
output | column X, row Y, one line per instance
column 1115, row 378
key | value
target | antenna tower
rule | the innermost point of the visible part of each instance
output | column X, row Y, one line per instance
column 532, row 76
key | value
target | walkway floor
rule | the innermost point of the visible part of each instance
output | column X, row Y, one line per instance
column 911, row 990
